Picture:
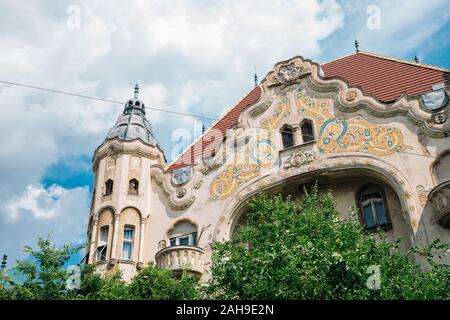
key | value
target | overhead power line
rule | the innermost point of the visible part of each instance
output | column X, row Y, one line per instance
column 150, row 108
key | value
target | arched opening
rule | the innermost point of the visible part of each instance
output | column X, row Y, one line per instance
column 287, row 137
column 133, row 187
column 184, row 233
column 347, row 185
column 109, row 187
column 307, row 131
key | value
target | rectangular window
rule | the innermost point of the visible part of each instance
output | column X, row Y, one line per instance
column 127, row 245
column 102, row 246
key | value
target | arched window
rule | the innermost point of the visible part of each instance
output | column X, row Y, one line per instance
column 127, row 244
column 108, row 187
column 133, row 187
column 102, row 244
column 287, row 137
column 307, row 131
column 442, row 168
column 183, row 234
column 373, row 208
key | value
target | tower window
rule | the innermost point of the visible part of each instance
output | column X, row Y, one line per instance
column 133, row 187
column 287, row 137
column 373, row 210
column 127, row 245
column 307, row 131
column 102, row 246
column 108, row 187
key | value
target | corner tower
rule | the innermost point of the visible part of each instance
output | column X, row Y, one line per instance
column 121, row 200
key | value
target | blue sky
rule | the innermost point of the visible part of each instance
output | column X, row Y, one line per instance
column 189, row 56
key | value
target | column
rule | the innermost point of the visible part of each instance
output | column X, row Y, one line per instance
column 114, row 239
column 92, row 244
column 297, row 135
column 141, row 244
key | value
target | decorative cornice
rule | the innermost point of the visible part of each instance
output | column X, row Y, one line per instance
column 179, row 198
column 131, row 147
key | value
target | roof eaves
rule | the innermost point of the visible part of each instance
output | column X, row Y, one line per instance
column 206, row 132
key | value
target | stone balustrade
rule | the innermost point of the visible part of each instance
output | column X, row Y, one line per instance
column 177, row 258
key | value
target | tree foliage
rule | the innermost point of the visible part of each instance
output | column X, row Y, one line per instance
column 286, row 250
column 290, row 250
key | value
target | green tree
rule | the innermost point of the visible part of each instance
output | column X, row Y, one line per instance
column 43, row 275
column 290, row 250
column 153, row 283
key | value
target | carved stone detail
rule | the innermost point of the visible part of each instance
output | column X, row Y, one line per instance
column 180, row 192
column 288, row 75
column 298, row 159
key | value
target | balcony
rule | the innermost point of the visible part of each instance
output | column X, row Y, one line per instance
column 439, row 198
column 177, row 258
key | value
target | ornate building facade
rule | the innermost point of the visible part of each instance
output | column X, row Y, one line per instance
column 372, row 130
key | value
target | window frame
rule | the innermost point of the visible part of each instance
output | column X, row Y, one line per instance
column 192, row 240
column 102, row 245
column 106, row 187
column 313, row 135
column 128, row 241
column 283, row 132
column 376, row 187
column 137, row 187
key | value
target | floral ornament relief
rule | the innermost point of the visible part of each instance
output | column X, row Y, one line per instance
column 260, row 156
column 355, row 134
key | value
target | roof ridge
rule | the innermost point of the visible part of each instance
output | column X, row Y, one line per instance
column 209, row 129
column 418, row 64
column 377, row 55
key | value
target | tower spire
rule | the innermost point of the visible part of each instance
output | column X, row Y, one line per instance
column 256, row 78
column 136, row 91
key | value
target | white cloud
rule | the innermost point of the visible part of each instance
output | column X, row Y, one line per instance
column 40, row 211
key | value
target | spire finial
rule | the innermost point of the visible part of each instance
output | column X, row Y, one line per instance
column 256, row 78
column 356, row 45
column 416, row 59
column 136, row 90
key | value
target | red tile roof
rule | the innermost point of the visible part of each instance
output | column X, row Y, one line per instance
column 207, row 140
column 386, row 78
column 382, row 77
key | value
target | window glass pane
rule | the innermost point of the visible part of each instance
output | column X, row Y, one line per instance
column 307, row 132
column 101, row 253
column 173, row 241
column 194, row 238
column 127, row 248
column 381, row 215
column 104, row 235
column 368, row 216
column 128, row 234
column 288, row 139
column 184, row 241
